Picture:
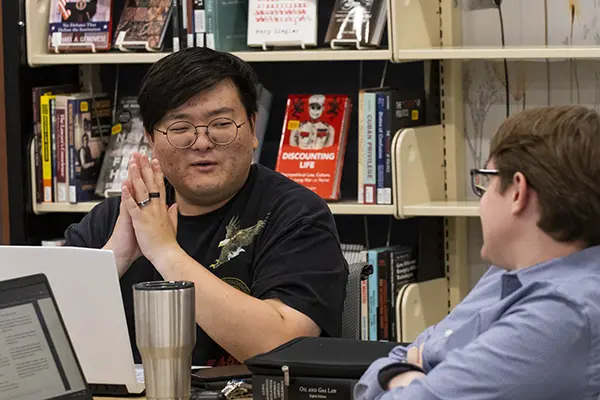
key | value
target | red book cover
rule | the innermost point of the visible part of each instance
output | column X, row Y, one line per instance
column 313, row 142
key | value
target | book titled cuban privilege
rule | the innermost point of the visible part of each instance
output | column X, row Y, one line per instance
column 80, row 25
column 313, row 141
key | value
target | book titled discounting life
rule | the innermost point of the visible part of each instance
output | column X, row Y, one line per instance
column 313, row 141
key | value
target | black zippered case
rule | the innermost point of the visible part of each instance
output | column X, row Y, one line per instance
column 320, row 357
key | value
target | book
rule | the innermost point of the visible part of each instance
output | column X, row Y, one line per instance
column 37, row 92
column 91, row 126
column 313, row 141
column 128, row 136
column 265, row 387
column 80, row 25
column 282, row 23
column 143, row 24
column 265, row 97
column 226, row 24
column 46, row 145
column 357, row 23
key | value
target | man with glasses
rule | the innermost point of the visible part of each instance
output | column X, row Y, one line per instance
column 262, row 250
column 530, row 328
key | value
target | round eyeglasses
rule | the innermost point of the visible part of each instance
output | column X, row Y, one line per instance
column 183, row 134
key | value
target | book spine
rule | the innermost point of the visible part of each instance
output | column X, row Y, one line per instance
column 380, row 146
column 364, row 296
column 71, row 105
column 77, row 139
column 373, row 296
column 361, row 148
column 190, row 23
column 364, row 310
column 61, row 152
column 269, row 387
column 341, row 151
column 199, row 22
column 383, row 268
column 37, row 145
column 230, row 25
column 405, row 269
column 209, row 6
column 387, row 173
column 370, row 149
column 46, row 148
column 183, row 25
column 175, row 25
column 53, row 145
column 393, row 297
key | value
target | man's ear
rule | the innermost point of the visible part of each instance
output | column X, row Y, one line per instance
column 253, row 123
column 149, row 138
column 520, row 195
column 253, row 129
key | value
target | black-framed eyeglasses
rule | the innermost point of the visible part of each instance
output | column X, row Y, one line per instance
column 183, row 134
column 480, row 180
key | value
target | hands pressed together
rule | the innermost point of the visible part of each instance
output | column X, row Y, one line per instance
column 146, row 225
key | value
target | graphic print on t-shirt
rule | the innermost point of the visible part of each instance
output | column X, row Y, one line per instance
column 235, row 239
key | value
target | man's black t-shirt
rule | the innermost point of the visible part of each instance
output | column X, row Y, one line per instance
column 274, row 239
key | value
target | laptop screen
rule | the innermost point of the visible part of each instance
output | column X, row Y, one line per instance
column 37, row 360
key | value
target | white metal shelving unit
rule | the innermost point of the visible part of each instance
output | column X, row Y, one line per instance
column 490, row 53
column 40, row 59
column 38, row 55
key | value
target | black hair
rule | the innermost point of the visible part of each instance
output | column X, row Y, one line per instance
column 174, row 79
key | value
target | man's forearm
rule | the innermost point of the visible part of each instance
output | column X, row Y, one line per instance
column 243, row 325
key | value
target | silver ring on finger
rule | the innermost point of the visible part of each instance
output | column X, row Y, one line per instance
column 144, row 203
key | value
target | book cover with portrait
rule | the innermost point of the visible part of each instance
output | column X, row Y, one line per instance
column 80, row 25
column 313, row 141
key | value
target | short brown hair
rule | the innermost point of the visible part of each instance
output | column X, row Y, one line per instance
column 557, row 149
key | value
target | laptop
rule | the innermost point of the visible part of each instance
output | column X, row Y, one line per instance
column 87, row 290
column 37, row 360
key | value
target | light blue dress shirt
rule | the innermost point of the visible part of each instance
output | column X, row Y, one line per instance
column 528, row 334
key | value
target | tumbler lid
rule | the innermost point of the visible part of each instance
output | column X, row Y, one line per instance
column 163, row 285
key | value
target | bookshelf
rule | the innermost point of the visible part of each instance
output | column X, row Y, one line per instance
column 42, row 59
column 490, row 53
column 430, row 30
column 347, row 207
column 428, row 162
column 341, row 208
column 36, row 15
column 430, row 175
column 417, row 175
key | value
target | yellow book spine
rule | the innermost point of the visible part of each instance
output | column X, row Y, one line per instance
column 46, row 149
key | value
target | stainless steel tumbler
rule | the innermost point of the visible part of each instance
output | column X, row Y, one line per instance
column 165, row 330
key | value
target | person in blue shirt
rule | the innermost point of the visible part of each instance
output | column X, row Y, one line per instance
column 530, row 328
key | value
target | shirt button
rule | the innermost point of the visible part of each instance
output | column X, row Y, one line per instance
column 448, row 332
